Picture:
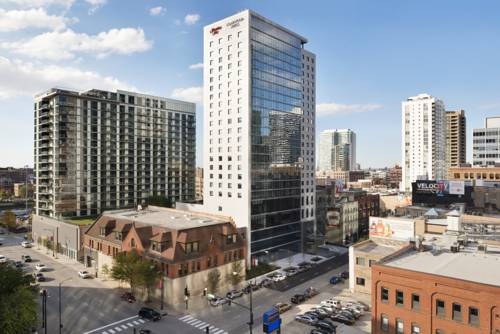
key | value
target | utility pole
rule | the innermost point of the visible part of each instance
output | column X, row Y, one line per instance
column 44, row 309
column 162, row 282
column 250, row 323
column 60, row 309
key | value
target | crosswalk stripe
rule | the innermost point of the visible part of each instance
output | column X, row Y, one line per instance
column 135, row 322
column 118, row 329
column 185, row 317
column 111, row 331
column 129, row 324
column 219, row 331
column 201, row 325
column 124, row 327
column 104, row 332
column 192, row 321
column 211, row 327
column 195, row 323
column 141, row 321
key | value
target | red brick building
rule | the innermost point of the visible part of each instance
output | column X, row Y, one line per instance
column 185, row 245
column 438, row 292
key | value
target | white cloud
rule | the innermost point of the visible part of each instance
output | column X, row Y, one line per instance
column 40, row 3
column 333, row 109
column 197, row 66
column 19, row 78
column 191, row 19
column 66, row 44
column 95, row 5
column 14, row 20
column 157, row 11
column 190, row 94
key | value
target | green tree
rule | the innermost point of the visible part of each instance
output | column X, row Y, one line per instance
column 213, row 279
column 126, row 266
column 236, row 276
column 15, row 290
column 105, row 270
column 9, row 220
column 159, row 200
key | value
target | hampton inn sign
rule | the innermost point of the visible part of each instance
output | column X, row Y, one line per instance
column 231, row 24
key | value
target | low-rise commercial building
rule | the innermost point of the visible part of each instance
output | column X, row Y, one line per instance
column 61, row 238
column 368, row 206
column 438, row 290
column 184, row 245
column 342, row 227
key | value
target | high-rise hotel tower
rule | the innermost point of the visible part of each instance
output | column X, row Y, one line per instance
column 259, row 105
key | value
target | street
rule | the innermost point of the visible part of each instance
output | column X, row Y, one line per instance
column 88, row 305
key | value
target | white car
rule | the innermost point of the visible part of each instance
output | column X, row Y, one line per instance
column 278, row 277
column 3, row 259
column 41, row 267
column 331, row 303
column 84, row 274
column 26, row 244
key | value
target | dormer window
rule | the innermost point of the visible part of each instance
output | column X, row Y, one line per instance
column 119, row 236
column 159, row 247
column 102, row 232
column 192, row 247
column 231, row 239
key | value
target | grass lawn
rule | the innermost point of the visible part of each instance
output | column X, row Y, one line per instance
column 81, row 221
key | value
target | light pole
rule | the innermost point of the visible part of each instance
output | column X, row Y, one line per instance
column 60, row 310
column 250, row 323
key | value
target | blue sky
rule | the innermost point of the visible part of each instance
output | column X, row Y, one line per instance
column 371, row 55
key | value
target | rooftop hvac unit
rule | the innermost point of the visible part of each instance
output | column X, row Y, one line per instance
column 482, row 248
column 454, row 248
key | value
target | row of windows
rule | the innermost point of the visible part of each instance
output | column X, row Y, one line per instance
column 456, row 315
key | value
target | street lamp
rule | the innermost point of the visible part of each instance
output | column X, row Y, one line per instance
column 250, row 323
column 60, row 311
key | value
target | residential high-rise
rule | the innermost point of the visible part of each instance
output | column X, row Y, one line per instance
column 486, row 143
column 100, row 150
column 337, row 150
column 455, row 139
column 423, row 139
column 198, row 186
column 259, row 98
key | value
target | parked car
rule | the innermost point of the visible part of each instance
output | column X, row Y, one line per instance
column 84, row 274
column 344, row 274
column 306, row 319
column 234, row 294
column 3, row 259
column 265, row 282
column 326, row 325
column 26, row 244
column 26, row 258
column 297, row 299
column 18, row 264
column 282, row 307
column 310, row 292
column 327, row 308
column 343, row 320
column 320, row 310
column 319, row 315
column 305, row 264
column 335, row 280
column 278, row 277
column 145, row 331
column 331, row 302
column 41, row 267
column 149, row 313
column 291, row 271
column 1, row 242
column 128, row 296
column 250, row 286
column 39, row 277
column 218, row 301
column 318, row 331
column 346, row 314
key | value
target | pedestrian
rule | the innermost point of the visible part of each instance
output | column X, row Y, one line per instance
column 205, row 293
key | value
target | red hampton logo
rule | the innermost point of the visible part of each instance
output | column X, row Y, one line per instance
column 215, row 31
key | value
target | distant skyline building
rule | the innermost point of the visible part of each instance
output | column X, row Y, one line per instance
column 456, row 144
column 98, row 150
column 259, row 123
column 486, row 143
column 337, row 150
column 423, row 140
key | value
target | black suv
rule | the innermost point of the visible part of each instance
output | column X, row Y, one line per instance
column 149, row 313
column 297, row 299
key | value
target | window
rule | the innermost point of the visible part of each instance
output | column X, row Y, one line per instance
column 102, row 232
column 132, row 243
column 360, row 261
column 399, row 326
column 370, row 262
column 118, row 236
column 384, row 295
column 191, row 247
column 399, row 298
column 360, row 281
column 456, row 312
column 415, row 301
column 384, row 323
column 474, row 316
column 415, row 328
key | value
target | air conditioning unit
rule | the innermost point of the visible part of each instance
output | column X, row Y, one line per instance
column 454, row 248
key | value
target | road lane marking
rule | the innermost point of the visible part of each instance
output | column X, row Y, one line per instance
column 203, row 324
column 219, row 331
column 192, row 321
column 112, row 324
column 136, row 322
column 118, row 329
column 124, row 327
column 195, row 322
column 185, row 317
column 111, row 331
column 141, row 321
